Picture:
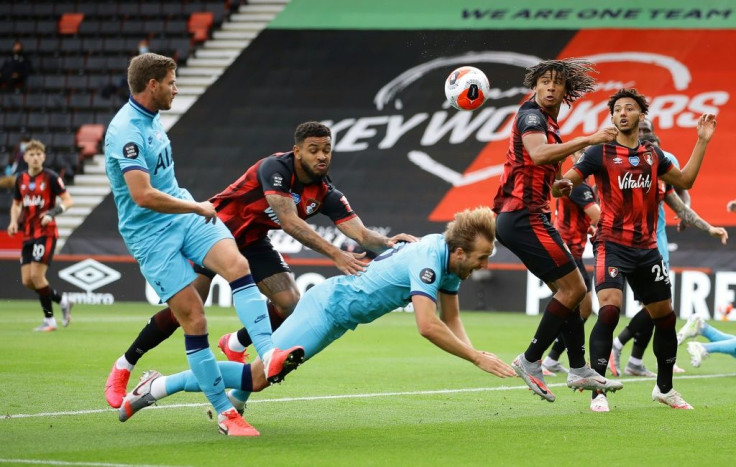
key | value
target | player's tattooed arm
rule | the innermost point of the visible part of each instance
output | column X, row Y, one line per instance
column 370, row 239
column 686, row 214
column 284, row 208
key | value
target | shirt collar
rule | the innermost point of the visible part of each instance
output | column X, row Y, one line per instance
column 137, row 106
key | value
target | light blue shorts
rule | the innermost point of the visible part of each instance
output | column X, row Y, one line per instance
column 663, row 247
column 163, row 256
column 309, row 326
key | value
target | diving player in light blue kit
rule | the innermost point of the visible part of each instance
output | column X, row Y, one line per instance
column 164, row 228
column 424, row 273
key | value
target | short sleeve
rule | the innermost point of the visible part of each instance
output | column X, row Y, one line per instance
column 16, row 191
column 531, row 121
column 424, row 275
column 275, row 176
column 128, row 152
column 665, row 164
column 582, row 195
column 57, row 185
column 336, row 206
column 590, row 162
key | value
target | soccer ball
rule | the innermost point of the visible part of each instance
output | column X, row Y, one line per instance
column 467, row 88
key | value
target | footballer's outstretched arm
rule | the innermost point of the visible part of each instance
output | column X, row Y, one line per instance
column 692, row 218
column 285, row 210
column 370, row 239
column 450, row 315
column 686, row 177
column 437, row 332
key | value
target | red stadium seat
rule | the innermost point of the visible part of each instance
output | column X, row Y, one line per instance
column 199, row 25
column 69, row 23
column 88, row 139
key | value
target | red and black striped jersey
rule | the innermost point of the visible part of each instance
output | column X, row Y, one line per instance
column 37, row 194
column 571, row 220
column 524, row 184
column 628, row 187
column 243, row 207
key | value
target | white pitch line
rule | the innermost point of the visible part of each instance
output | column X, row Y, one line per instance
column 95, row 464
column 349, row 396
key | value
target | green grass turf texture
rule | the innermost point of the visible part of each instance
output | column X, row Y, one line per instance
column 411, row 404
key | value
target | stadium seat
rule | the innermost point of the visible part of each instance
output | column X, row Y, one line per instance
column 199, row 25
column 82, row 117
column 69, row 23
column 77, row 82
column 38, row 121
column 88, row 139
column 61, row 8
column 60, row 120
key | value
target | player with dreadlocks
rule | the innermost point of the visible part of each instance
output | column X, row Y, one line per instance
column 531, row 174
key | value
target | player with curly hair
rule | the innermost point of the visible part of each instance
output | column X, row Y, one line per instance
column 532, row 167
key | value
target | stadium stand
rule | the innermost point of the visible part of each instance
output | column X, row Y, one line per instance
column 79, row 77
column 79, row 52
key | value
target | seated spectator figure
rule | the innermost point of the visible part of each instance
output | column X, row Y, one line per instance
column 16, row 68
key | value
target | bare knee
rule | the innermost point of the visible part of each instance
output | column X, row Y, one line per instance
column 571, row 294
column 286, row 302
column 235, row 268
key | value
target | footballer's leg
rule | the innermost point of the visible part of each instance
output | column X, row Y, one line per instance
column 282, row 294
column 158, row 328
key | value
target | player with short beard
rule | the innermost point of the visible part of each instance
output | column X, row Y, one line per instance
column 280, row 191
column 641, row 326
column 627, row 173
column 426, row 273
column 533, row 163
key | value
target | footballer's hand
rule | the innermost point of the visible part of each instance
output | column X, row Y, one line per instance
column 706, row 126
column 605, row 135
column 207, row 210
column 561, row 187
column 350, row 263
column 402, row 237
column 592, row 229
column 494, row 365
column 731, row 206
column 12, row 229
column 681, row 225
column 45, row 219
column 719, row 232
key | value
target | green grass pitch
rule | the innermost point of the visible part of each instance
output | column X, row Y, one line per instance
column 381, row 395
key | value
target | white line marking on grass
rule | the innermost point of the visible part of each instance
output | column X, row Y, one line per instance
column 350, row 396
column 47, row 462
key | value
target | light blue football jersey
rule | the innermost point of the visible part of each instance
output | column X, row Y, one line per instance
column 662, row 242
column 136, row 140
column 389, row 282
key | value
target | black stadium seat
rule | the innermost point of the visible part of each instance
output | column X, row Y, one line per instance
column 79, row 71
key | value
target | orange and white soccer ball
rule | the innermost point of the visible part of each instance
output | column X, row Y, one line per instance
column 467, row 88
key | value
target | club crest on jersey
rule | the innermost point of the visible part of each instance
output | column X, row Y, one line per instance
column 634, row 160
column 311, row 207
column 613, row 272
column 32, row 186
column 648, row 158
column 427, row 275
column 296, row 197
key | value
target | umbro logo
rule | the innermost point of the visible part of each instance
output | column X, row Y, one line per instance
column 89, row 274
